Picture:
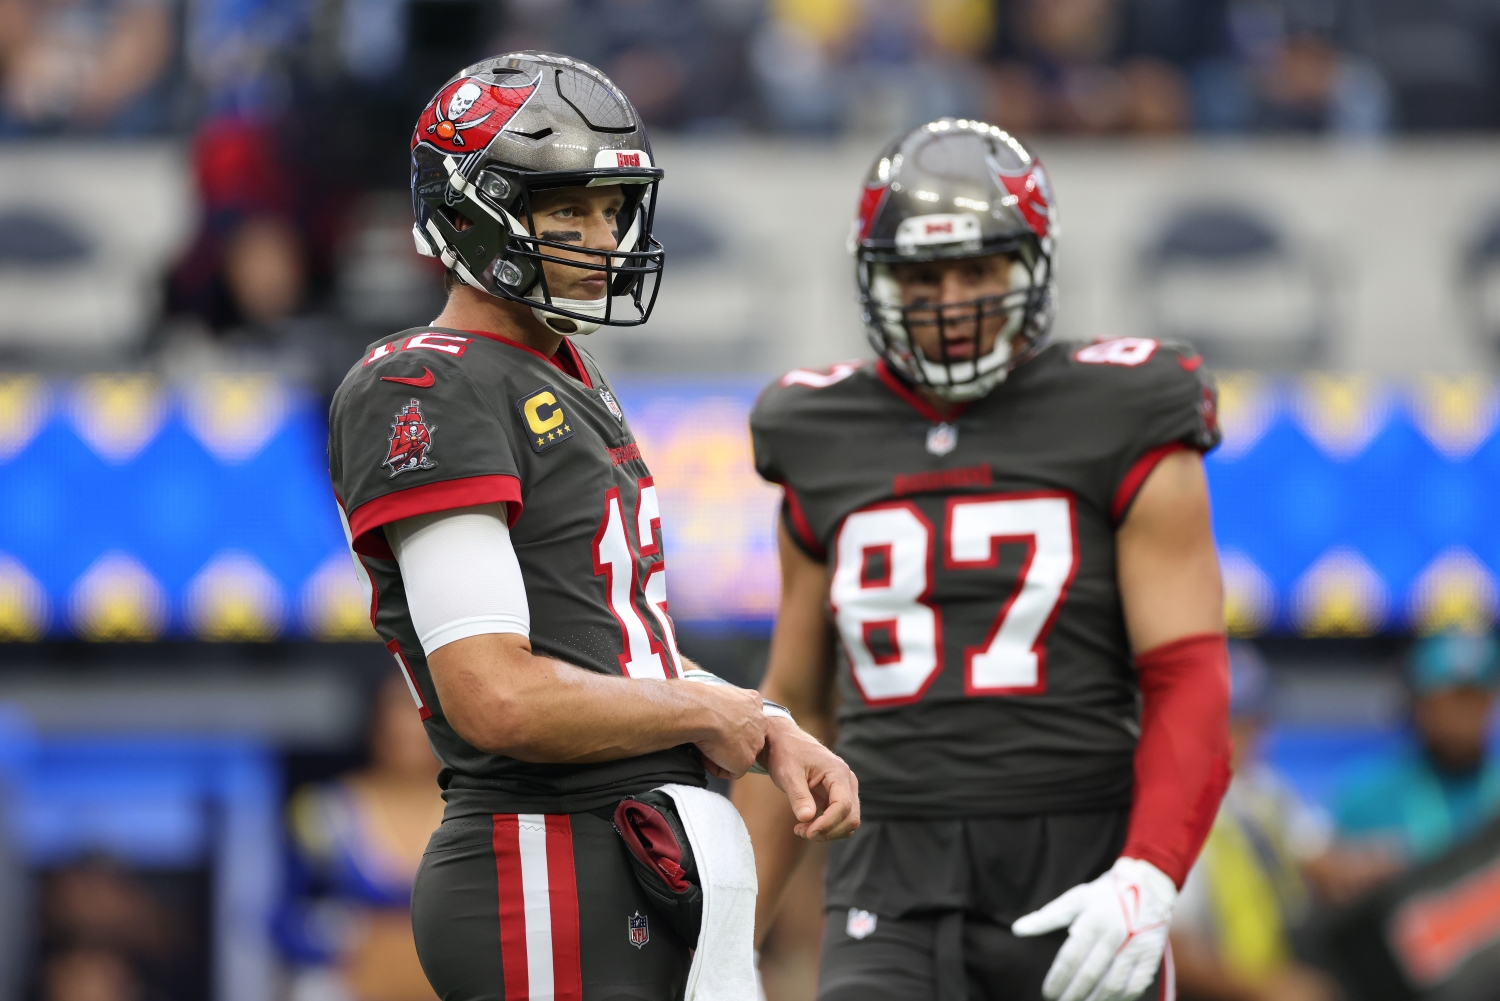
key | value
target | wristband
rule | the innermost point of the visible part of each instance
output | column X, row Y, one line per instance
column 775, row 709
column 766, row 705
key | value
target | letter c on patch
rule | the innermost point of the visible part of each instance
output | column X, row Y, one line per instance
column 539, row 420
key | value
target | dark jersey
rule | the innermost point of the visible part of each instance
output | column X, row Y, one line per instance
column 433, row 419
column 984, row 662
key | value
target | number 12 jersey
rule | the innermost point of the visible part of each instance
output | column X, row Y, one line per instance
column 984, row 666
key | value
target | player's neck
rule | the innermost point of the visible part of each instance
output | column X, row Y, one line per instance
column 946, row 407
column 470, row 309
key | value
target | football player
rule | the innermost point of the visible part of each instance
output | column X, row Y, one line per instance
column 997, row 563
column 508, row 531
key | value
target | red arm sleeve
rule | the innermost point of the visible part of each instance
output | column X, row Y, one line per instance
column 1182, row 759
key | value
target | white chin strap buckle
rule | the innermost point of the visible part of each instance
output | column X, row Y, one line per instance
column 567, row 325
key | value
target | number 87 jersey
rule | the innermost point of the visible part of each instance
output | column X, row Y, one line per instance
column 984, row 665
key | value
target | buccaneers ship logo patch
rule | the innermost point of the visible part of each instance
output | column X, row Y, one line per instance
column 639, row 933
column 411, row 440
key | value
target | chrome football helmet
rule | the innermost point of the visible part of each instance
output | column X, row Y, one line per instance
column 956, row 188
column 502, row 130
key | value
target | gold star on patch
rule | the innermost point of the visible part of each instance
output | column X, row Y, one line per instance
column 567, row 427
column 539, row 441
column 549, row 435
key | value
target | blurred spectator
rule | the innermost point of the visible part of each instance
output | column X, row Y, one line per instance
column 1068, row 71
column 84, row 65
column 105, row 937
column 1231, row 932
column 240, row 53
column 88, row 973
column 1440, row 57
column 1413, row 805
column 873, row 65
column 682, row 64
column 357, row 843
column 247, row 266
column 1293, row 65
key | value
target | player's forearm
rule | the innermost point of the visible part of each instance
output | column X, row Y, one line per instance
column 769, row 819
column 503, row 699
column 799, row 674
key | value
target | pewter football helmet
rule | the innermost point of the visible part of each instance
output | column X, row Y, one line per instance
column 956, row 188
column 507, row 127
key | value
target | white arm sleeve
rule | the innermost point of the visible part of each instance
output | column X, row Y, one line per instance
column 461, row 574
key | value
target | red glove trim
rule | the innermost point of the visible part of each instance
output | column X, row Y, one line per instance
column 1182, row 758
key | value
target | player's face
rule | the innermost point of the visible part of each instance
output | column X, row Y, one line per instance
column 584, row 217
column 949, row 289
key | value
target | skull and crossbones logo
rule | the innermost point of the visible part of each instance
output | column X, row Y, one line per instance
column 448, row 125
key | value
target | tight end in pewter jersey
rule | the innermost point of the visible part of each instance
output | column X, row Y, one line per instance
column 984, row 668
column 433, row 419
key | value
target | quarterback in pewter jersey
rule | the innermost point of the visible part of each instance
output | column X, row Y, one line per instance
column 507, row 528
column 997, row 562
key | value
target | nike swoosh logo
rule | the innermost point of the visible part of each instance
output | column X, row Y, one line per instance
column 422, row 383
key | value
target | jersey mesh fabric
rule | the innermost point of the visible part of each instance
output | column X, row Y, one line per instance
column 574, row 493
column 984, row 665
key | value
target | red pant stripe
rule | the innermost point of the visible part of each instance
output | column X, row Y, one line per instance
column 506, row 842
column 562, row 885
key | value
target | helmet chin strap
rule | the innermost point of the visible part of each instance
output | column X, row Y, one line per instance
column 566, row 325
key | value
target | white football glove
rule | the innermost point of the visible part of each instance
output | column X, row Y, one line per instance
column 1117, row 931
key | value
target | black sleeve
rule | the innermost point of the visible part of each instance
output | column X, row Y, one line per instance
column 770, row 464
column 400, row 449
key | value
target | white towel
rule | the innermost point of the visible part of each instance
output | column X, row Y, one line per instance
column 724, row 962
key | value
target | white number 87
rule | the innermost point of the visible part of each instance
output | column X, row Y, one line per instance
column 883, row 579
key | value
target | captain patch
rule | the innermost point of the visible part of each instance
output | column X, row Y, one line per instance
column 542, row 415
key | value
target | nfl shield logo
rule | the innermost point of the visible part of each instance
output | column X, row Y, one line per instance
column 942, row 439
column 614, row 408
column 639, row 933
column 861, row 923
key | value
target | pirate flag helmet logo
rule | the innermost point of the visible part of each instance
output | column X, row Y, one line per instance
column 467, row 114
column 411, row 440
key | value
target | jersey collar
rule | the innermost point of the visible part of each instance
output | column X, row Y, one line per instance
column 917, row 401
column 570, row 364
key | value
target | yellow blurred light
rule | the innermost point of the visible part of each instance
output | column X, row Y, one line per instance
column 234, row 598
column 334, row 605
column 23, row 603
column 118, row 599
column 1455, row 593
column 1339, row 595
column 118, row 415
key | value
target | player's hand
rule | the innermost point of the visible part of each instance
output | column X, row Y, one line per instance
column 822, row 789
column 1117, row 931
column 736, row 729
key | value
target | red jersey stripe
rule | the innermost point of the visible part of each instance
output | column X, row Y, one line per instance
column 562, row 885
column 1131, row 484
column 506, row 841
column 425, row 499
